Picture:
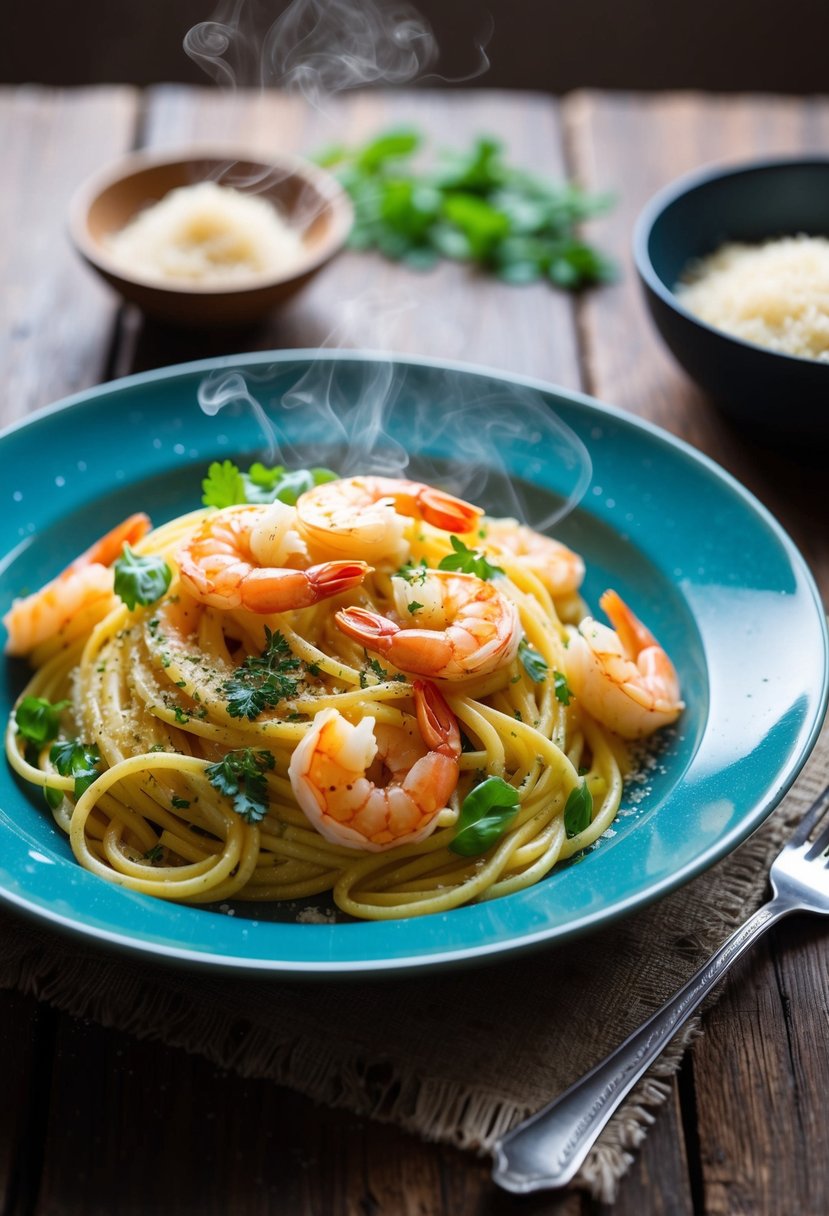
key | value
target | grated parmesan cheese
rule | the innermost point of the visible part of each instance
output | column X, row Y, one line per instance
column 207, row 234
column 775, row 294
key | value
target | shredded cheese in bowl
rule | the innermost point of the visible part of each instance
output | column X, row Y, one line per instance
column 207, row 234
column 775, row 294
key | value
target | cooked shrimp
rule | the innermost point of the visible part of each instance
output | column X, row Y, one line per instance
column 559, row 569
column 85, row 586
column 239, row 558
column 329, row 768
column 463, row 626
column 367, row 516
column 624, row 678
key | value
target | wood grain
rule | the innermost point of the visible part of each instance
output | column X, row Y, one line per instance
column 56, row 318
column 129, row 1127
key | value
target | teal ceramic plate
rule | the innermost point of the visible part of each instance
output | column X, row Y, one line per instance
column 712, row 573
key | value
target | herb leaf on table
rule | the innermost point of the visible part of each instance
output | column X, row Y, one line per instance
column 472, row 207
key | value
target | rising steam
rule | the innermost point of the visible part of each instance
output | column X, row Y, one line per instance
column 357, row 414
column 373, row 415
column 315, row 47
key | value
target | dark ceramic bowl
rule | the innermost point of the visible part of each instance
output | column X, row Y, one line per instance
column 763, row 389
column 310, row 199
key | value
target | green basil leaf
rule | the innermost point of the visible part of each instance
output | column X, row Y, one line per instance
column 141, row 580
column 38, row 720
column 578, row 811
column 485, row 815
column 75, row 759
column 564, row 692
column 533, row 663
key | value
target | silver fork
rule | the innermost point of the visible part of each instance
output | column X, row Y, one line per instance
column 548, row 1148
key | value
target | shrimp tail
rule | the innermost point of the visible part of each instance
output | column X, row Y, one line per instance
column 422, row 651
column 369, row 628
column 267, row 591
column 438, row 725
column 633, row 634
column 446, row 512
column 331, row 578
column 109, row 547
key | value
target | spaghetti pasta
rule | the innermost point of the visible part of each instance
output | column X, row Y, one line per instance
column 185, row 719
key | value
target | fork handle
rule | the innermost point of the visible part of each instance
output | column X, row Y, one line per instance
column 547, row 1149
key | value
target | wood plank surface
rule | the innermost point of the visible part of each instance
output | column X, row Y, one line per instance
column 761, row 1072
column 362, row 300
column 97, row 1122
column 56, row 318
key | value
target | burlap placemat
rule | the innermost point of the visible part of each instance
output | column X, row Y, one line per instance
column 459, row 1057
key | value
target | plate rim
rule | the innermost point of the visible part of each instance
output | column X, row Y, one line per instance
column 467, row 955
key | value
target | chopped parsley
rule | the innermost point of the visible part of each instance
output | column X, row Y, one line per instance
column 154, row 854
column 416, row 575
column 564, row 692
column 141, row 580
column 414, row 606
column 180, row 804
column 264, row 680
column 468, row 561
column 241, row 777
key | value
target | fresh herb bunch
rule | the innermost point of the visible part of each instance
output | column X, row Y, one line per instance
column 472, row 207
column 227, row 486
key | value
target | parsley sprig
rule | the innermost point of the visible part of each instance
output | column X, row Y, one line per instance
column 226, row 485
column 241, row 777
column 263, row 680
column 472, row 207
column 468, row 561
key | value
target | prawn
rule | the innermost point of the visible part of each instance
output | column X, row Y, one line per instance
column 558, row 568
column 624, row 678
column 329, row 774
column 239, row 558
column 85, row 586
column 463, row 626
column 367, row 516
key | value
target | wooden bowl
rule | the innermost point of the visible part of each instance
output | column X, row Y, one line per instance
column 306, row 196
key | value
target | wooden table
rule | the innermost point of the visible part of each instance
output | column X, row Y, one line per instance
column 95, row 1122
